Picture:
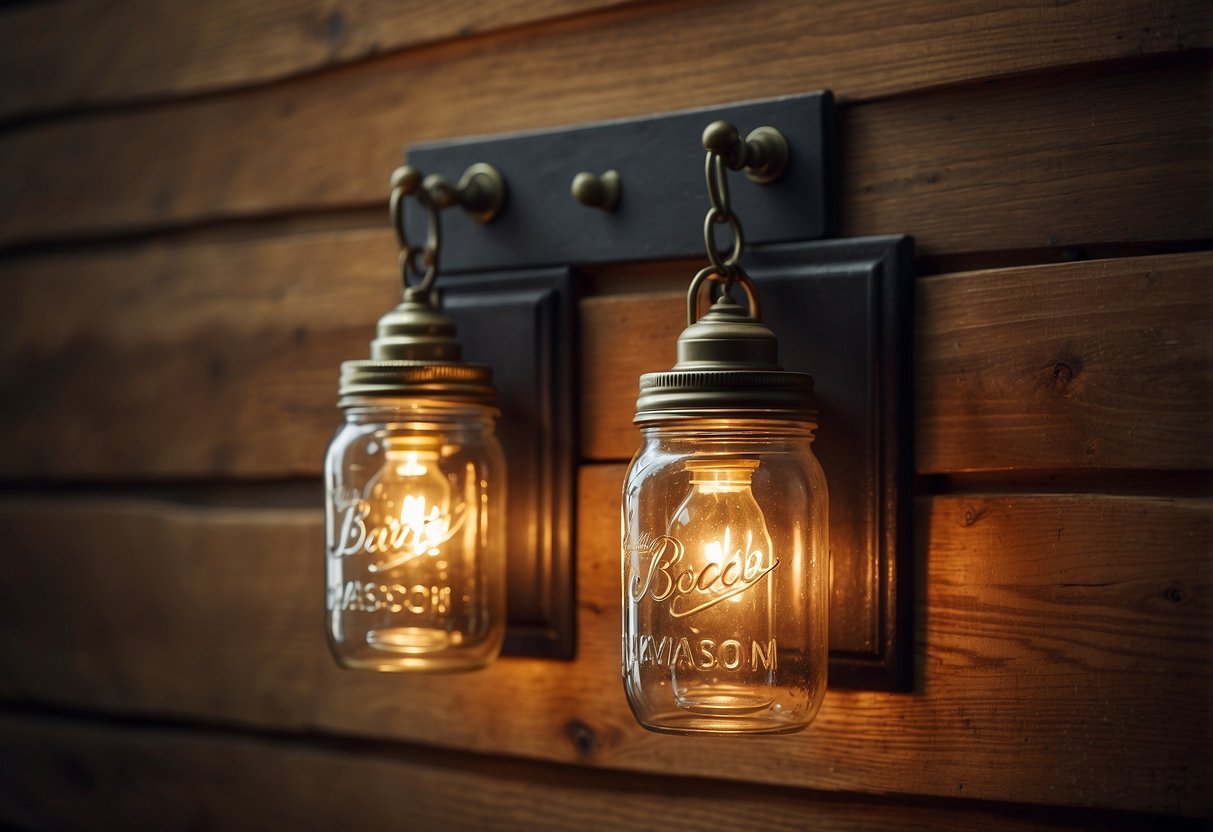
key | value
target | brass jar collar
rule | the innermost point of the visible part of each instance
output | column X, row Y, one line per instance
column 415, row 354
column 727, row 367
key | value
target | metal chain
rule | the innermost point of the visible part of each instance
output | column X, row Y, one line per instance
column 420, row 261
column 726, row 268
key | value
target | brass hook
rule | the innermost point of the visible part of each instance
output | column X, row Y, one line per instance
column 597, row 191
column 763, row 155
column 480, row 191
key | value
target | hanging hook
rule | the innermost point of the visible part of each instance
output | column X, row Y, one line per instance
column 763, row 155
column 480, row 191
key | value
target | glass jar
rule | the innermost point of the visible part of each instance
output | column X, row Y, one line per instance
column 415, row 535
column 725, row 577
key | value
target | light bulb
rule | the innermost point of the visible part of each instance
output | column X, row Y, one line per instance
column 722, row 592
column 409, row 505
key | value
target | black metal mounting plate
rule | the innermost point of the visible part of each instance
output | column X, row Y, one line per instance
column 843, row 312
column 841, row 308
column 660, row 160
column 522, row 325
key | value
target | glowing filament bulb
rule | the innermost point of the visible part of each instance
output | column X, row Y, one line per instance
column 724, row 587
column 411, row 506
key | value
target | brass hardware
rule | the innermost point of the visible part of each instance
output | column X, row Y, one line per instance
column 407, row 181
column 480, row 192
column 711, row 275
column 763, row 155
column 721, row 211
column 727, row 358
column 597, row 191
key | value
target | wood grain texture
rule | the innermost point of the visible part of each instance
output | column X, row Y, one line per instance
column 1085, row 365
column 1048, row 160
column 1055, row 160
column 91, row 53
column 1103, row 364
column 80, row 775
column 1062, row 650
column 57, row 56
column 221, row 359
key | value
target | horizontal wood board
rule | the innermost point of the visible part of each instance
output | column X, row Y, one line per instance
column 58, row 56
column 1062, row 649
column 90, row 53
column 81, row 775
column 1050, row 159
column 221, row 360
column 1092, row 365
column 1100, row 364
column 1063, row 640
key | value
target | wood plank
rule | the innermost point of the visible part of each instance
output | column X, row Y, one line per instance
column 220, row 358
column 1100, row 364
column 82, row 775
column 89, row 53
column 59, row 56
column 249, row 335
column 1049, row 160
column 1082, row 365
column 1062, row 649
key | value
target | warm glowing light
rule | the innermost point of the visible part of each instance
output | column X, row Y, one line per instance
column 415, row 488
column 718, row 514
column 413, row 498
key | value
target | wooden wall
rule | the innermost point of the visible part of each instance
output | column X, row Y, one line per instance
column 193, row 236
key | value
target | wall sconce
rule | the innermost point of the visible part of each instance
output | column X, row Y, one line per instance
column 415, row 479
column 842, row 308
column 725, row 553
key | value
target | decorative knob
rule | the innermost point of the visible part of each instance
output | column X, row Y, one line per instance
column 597, row 191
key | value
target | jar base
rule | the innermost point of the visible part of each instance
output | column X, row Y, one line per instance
column 721, row 700
column 416, row 650
column 409, row 640
column 686, row 724
column 385, row 663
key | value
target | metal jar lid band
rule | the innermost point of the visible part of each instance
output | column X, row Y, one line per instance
column 415, row 354
column 727, row 367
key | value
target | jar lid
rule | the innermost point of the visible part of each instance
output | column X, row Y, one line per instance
column 727, row 367
column 415, row 354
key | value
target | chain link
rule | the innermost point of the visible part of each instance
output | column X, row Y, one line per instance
column 419, row 261
column 726, row 268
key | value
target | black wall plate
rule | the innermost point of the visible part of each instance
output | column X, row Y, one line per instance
column 660, row 160
column 843, row 310
column 522, row 325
